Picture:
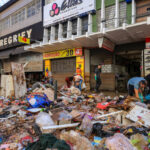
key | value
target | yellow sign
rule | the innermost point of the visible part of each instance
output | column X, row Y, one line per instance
column 47, row 67
column 63, row 53
column 80, row 64
column 23, row 40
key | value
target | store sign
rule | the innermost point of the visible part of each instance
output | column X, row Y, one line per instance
column 63, row 53
column 63, row 9
column 106, row 44
column 147, row 42
column 30, row 32
column 80, row 63
column 23, row 40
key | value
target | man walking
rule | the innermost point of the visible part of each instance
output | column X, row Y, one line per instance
column 97, row 77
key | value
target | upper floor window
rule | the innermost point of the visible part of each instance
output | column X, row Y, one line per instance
column 84, row 25
column 5, row 24
column 65, row 30
column 34, row 8
column 18, row 17
column 74, row 27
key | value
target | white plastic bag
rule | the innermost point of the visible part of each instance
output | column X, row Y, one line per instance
column 83, row 86
column 43, row 119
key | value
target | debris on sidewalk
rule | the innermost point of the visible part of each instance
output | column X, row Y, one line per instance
column 95, row 120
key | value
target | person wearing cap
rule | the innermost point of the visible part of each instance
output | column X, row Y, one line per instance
column 98, row 78
column 136, row 85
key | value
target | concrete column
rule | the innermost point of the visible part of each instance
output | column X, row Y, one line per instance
column 69, row 29
column 90, row 23
column 60, row 31
column 102, row 28
column 133, row 11
column 45, row 36
column 87, row 68
column 117, row 14
column 52, row 33
column 79, row 26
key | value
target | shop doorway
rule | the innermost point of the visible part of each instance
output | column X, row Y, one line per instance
column 62, row 68
column 131, row 62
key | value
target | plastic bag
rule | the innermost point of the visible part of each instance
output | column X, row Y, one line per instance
column 43, row 119
column 64, row 116
column 77, row 141
column 38, row 100
column 118, row 142
column 86, row 126
column 83, row 86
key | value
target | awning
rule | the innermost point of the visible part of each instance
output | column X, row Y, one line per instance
column 122, row 35
column 6, row 53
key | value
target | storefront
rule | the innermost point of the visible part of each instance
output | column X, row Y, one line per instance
column 64, row 63
column 13, row 51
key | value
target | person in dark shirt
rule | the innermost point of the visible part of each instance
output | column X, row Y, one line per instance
column 98, row 78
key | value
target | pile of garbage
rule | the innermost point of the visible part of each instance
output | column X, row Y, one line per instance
column 75, row 121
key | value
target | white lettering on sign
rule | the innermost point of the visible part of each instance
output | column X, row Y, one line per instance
column 23, row 34
column 1, row 43
column 14, row 38
column 29, row 33
column 10, row 40
column 5, row 41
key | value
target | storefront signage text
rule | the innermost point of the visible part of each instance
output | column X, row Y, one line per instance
column 33, row 32
column 63, row 9
column 14, row 38
column 63, row 53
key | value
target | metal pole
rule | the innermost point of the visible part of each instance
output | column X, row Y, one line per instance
column 55, row 90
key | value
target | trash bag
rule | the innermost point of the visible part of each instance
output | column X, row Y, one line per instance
column 38, row 100
column 139, row 141
column 97, row 127
column 44, row 119
column 97, row 130
column 118, row 142
column 86, row 126
column 77, row 141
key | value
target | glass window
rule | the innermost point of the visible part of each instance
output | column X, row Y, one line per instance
column 56, row 32
column 74, row 27
column 64, row 30
column 18, row 17
column 5, row 24
column 34, row 8
column 84, row 25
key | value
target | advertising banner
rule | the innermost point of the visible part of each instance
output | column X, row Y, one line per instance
column 60, row 10
column 63, row 53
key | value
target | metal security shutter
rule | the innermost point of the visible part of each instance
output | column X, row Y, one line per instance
column 62, row 68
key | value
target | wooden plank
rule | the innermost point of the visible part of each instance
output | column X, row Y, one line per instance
column 7, row 87
column 19, row 79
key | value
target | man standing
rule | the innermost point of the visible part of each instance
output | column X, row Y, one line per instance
column 97, row 77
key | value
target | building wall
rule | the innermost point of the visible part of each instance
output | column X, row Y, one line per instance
column 143, row 10
column 15, row 8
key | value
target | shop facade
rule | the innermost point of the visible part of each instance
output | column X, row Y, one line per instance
column 21, row 19
column 109, row 32
column 64, row 63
